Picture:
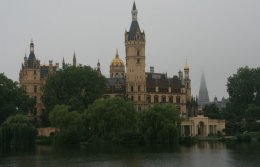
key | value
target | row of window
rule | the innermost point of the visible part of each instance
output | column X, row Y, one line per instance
column 163, row 99
column 35, row 87
column 156, row 99
column 138, row 88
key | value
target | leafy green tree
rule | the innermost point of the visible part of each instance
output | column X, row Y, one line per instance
column 76, row 87
column 111, row 120
column 244, row 92
column 68, row 125
column 253, row 118
column 17, row 131
column 13, row 99
column 244, row 87
column 212, row 111
column 160, row 124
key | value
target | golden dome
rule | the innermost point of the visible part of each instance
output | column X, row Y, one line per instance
column 186, row 66
column 117, row 61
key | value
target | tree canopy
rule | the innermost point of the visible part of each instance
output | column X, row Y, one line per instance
column 76, row 87
column 244, row 87
column 17, row 131
column 13, row 99
column 243, row 112
column 159, row 124
column 68, row 124
column 111, row 119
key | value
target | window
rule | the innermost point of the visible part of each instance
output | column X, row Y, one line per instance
column 139, row 98
column 132, row 98
column 148, row 99
column 139, row 88
column 170, row 99
column 35, row 89
column 156, row 99
column 132, row 89
column 138, row 53
column 178, row 99
column 138, row 61
column 163, row 99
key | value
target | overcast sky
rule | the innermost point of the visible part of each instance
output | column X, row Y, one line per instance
column 216, row 36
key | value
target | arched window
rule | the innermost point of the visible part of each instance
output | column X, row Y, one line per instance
column 156, row 99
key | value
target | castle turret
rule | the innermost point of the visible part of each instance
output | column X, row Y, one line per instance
column 98, row 67
column 187, row 81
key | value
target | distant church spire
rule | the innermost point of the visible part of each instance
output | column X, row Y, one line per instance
column 74, row 59
column 63, row 63
column 203, row 92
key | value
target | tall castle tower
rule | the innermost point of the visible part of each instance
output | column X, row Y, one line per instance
column 135, row 63
column 30, row 79
column 187, row 82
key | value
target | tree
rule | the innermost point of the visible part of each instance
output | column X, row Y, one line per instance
column 18, row 131
column 68, row 125
column 111, row 120
column 212, row 111
column 76, row 87
column 13, row 99
column 244, row 91
column 159, row 124
column 244, row 87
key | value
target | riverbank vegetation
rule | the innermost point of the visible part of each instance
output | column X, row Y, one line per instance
column 75, row 108
column 114, row 120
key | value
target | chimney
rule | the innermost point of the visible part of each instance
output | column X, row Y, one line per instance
column 151, row 69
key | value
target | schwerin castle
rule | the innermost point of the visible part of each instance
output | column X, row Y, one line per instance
column 144, row 89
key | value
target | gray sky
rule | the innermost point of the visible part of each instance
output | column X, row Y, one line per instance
column 216, row 36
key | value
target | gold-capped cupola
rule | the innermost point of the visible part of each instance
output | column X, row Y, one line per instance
column 117, row 67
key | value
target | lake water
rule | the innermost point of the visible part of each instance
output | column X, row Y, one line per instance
column 203, row 154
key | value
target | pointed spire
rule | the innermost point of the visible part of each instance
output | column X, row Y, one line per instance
column 134, row 13
column 98, row 64
column 117, row 55
column 31, row 46
column 74, row 59
column 203, row 92
column 186, row 66
column 98, row 67
column 134, row 7
column 63, row 63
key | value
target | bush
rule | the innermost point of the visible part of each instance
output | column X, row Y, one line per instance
column 245, row 137
column 17, row 131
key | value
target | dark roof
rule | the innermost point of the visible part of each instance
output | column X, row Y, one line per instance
column 115, row 86
column 134, row 28
column 134, row 7
column 113, row 81
column 31, row 59
column 159, row 79
column 44, row 71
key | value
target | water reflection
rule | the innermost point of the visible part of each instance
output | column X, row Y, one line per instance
column 211, row 154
